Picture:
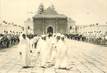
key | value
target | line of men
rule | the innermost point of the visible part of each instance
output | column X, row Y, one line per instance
column 8, row 40
column 48, row 51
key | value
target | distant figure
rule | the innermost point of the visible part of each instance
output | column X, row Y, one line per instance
column 35, row 41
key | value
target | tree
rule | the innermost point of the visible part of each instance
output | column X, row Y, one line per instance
column 41, row 9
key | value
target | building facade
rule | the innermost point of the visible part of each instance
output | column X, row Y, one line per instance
column 10, row 28
column 28, row 26
column 49, row 21
column 93, row 31
column 72, row 28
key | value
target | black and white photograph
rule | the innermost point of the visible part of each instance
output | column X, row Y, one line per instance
column 53, row 36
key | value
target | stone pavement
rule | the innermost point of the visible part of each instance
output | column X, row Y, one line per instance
column 85, row 58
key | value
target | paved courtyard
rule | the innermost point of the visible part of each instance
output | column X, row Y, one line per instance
column 86, row 58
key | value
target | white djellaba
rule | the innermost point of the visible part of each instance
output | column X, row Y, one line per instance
column 61, row 57
column 34, row 54
column 42, row 47
column 23, row 51
column 29, row 51
column 49, row 42
column 52, row 54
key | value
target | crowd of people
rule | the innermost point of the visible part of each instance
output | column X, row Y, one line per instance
column 8, row 40
column 76, row 37
column 49, row 50
column 95, row 40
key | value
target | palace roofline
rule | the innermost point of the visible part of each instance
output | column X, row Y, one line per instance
column 50, row 16
column 50, row 12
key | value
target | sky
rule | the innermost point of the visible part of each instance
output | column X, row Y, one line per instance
column 83, row 12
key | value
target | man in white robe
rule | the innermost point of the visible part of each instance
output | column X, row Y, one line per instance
column 29, row 50
column 23, row 52
column 62, row 57
column 52, row 49
column 42, row 47
column 34, row 50
column 57, row 52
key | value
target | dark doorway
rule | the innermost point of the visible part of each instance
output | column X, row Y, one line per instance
column 49, row 30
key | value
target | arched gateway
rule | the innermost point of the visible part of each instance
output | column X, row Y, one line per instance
column 49, row 30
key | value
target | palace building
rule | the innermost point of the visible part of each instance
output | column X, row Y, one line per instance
column 49, row 21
